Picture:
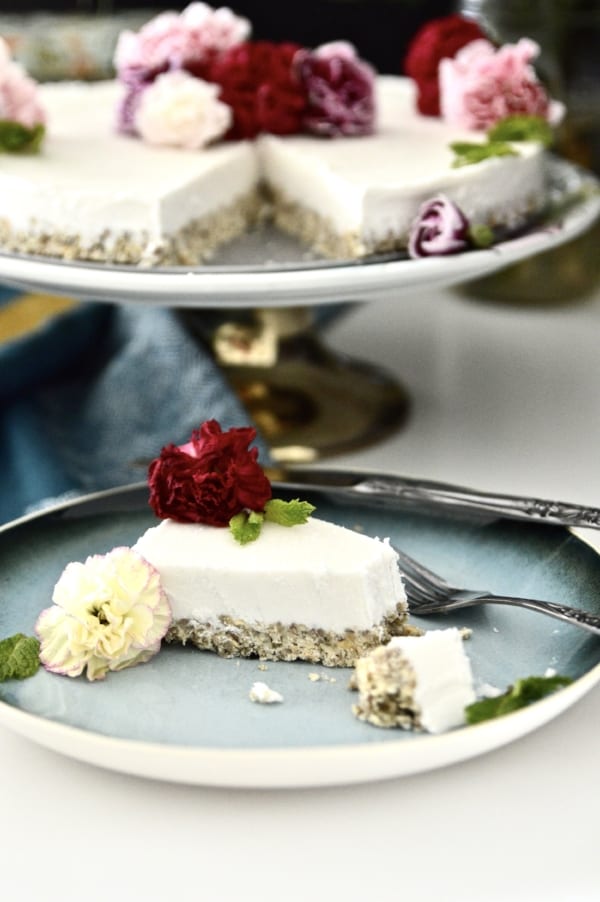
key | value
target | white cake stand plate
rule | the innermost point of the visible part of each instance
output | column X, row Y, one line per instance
column 307, row 402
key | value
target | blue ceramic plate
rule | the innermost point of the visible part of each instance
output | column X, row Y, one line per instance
column 185, row 716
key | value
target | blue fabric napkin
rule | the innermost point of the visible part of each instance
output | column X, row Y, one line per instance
column 90, row 394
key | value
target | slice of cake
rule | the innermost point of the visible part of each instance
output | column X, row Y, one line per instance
column 416, row 682
column 318, row 592
column 248, row 574
column 229, row 569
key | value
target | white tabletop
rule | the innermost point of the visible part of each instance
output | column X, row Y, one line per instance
column 504, row 397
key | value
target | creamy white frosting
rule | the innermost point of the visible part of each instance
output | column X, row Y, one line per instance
column 319, row 575
column 91, row 181
column 374, row 185
column 88, row 179
column 444, row 682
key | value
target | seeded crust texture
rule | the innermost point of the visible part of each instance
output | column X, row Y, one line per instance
column 234, row 638
column 386, row 684
column 199, row 239
column 193, row 244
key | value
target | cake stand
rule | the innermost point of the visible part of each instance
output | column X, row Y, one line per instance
column 258, row 305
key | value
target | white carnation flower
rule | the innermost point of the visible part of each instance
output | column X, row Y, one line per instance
column 181, row 111
column 108, row 613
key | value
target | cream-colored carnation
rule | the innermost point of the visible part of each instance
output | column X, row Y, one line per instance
column 108, row 613
column 181, row 111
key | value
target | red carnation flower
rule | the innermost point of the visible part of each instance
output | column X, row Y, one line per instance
column 436, row 40
column 259, row 83
column 210, row 479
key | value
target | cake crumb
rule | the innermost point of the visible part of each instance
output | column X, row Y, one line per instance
column 262, row 666
column 321, row 677
column 264, row 695
column 466, row 632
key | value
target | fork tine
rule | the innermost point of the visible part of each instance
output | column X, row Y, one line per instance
column 417, row 596
column 418, row 573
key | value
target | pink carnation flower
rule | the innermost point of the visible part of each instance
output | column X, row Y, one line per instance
column 440, row 228
column 19, row 101
column 178, row 40
column 340, row 89
column 483, row 85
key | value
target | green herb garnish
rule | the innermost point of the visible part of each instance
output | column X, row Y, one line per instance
column 19, row 657
column 481, row 235
column 522, row 128
column 288, row 513
column 246, row 526
column 522, row 693
column 468, row 153
column 17, row 138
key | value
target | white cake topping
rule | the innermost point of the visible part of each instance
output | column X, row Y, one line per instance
column 94, row 184
column 374, row 185
column 415, row 682
column 444, row 682
column 320, row 575
column 88, row 179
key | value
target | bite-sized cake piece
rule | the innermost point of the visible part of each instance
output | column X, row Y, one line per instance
column 318, row 592
column 416, row 682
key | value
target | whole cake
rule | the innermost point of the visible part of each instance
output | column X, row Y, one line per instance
column 204, row 132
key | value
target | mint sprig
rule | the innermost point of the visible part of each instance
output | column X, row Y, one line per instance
column 524, row 692
column 522, row 128
column 19, row 657
column 288, row 513
column 246, row 526
column 17, row 138
column 467, row 152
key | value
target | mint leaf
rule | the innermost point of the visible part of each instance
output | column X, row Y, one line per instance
column 468, row 153
column 19, row 657
column 522, row 128
column 481, row 235
column 16, row 138
column 523, row 693
column 288, row 513
column 245, row 526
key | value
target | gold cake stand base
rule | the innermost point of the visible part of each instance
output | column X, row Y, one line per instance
column 307, row 401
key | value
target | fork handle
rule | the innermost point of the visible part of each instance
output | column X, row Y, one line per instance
column 563, row 612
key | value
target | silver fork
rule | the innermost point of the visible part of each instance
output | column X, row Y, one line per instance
column 428, row 593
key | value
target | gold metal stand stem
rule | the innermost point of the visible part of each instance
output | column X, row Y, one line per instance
column 307, row 401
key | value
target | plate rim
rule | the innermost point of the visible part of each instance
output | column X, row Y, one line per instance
column 328, row 283
column 291, row 767
column 274, row 767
